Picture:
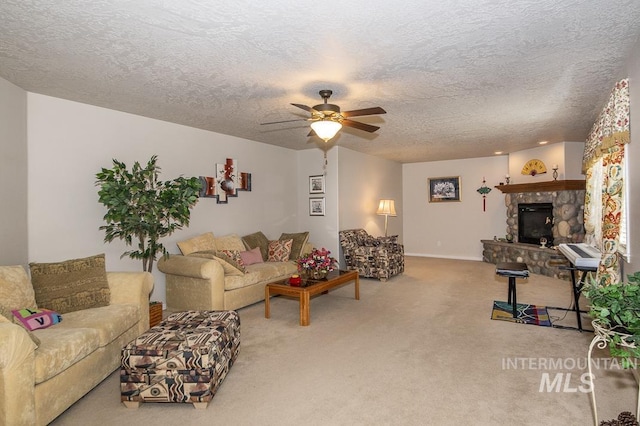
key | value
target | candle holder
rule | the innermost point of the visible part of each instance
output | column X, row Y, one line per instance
column 555, row 173
column 507, row 179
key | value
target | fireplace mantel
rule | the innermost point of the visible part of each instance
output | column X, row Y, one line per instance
column 548, row 186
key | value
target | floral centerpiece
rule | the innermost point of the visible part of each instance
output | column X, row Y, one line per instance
column 317, row 264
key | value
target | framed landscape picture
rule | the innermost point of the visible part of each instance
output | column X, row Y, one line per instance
column 442, row 189
column 316, row 206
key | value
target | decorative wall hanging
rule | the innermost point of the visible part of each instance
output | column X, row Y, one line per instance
column 316, row 184
column 444, row 189
column 226, row 183
column 316, row 206
column 484, row 190
column 534, row 167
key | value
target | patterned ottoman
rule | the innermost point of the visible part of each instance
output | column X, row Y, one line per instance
column 185, row 358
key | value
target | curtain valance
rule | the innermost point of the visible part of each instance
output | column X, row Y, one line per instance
column 611, row 129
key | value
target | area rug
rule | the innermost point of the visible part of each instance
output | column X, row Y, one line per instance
column 527, row 314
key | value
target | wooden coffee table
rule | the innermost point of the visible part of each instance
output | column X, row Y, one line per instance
column 307, row 289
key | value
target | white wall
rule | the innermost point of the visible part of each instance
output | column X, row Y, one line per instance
column 364, row 181
column 453, row 229
column 13, row 175
column 69, row 142
column 567, row 155
column 633, row 161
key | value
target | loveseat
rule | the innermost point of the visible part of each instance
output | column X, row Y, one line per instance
column 207, row 274
column 44, row 371
column 372, row 257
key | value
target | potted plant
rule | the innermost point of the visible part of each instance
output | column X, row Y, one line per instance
column 143, row 208
column 615, row 310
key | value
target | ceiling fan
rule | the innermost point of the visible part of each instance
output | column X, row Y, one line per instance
column 327, row 119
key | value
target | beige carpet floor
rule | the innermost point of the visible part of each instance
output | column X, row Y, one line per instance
column 419, row 349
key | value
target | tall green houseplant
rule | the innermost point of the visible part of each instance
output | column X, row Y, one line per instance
column 142, row 208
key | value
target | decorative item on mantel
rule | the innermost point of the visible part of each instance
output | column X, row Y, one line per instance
column 555, row 172
column 317, row 264
column 484, row 190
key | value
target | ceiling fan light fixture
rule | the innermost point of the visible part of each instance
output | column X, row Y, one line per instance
column 326, row 129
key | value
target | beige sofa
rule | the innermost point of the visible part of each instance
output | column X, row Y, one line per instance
column 40, row 381
column 196, row 280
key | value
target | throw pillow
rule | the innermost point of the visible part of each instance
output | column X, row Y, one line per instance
column 33, row 319
column 200, row 243
column 252, row 256
column 7, row 316
column 299, row 240
column 257, row 239
column 231, row 262
column 279, row 251
column 16, row 291
column 230, row 242
column 72, row 285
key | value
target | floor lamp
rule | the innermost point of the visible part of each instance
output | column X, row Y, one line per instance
column 386, row 208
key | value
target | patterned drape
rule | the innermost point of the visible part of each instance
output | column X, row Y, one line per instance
column 603, row 160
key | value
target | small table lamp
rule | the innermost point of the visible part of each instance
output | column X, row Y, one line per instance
column 386, row 208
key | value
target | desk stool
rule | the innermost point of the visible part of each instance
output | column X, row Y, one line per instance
column 512, row 270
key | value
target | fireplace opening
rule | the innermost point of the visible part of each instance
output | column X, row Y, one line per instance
column 535, row 221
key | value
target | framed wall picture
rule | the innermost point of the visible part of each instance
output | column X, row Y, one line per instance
column 316, row 184
column 316, row 206
column 442, row 189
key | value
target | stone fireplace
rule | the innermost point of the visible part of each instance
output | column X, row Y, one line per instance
column 567, row 225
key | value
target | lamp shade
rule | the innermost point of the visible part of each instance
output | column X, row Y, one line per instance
column 386, row 207
column 326, row 129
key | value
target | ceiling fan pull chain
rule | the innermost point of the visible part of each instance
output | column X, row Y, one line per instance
column 326, row 162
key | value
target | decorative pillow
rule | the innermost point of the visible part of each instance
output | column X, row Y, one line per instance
column 6, row 312
column 6, row 317
column 299, row 240
column 33, row 319
column 200, row 243
column 207, row 254
column 16, row 291
column 257, row 239
column 231, row 262
column 72, row 285
column 252, row 256
column 279, row 251
column 230, row 242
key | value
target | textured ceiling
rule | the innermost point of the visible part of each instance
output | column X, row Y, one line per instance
column 458, row 79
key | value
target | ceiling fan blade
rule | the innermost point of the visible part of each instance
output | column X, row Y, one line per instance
column 358, row 125
column 364, row 111
column 312, row 133
column 285, row 121
column 304, row 107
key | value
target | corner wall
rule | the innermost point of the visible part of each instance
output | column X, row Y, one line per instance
column 453, row 229
column 13, row 175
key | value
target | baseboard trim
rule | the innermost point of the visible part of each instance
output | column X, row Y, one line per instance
column 445, row 257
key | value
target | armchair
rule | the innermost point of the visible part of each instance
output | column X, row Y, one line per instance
column 372, row 257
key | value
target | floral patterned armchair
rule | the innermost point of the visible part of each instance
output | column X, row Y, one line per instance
column 372, row 257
